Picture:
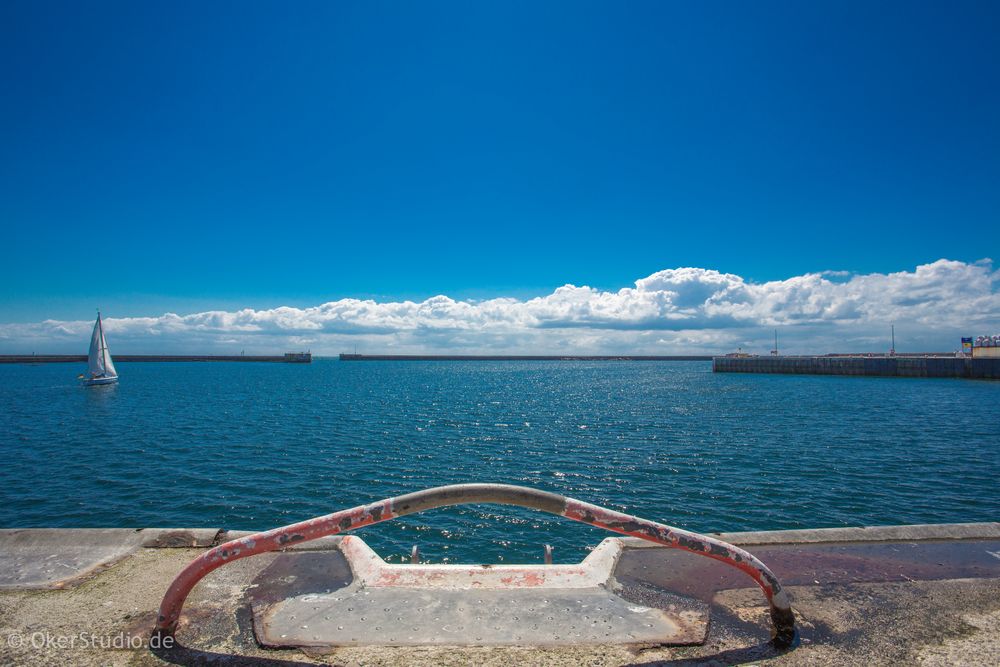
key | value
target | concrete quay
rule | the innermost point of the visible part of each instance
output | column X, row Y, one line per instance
column 924, row 595
column 883, row 366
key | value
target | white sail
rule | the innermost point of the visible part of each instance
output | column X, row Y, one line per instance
column 99, row 359
column 109, row 366
column 95, row 358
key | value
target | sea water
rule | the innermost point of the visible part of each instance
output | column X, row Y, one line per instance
column 260, row 445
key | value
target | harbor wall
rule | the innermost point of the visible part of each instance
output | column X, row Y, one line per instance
column 295, row 358
column 504, row 357
column 932, row 367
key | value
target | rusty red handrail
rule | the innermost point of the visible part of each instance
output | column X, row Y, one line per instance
column 782, row 618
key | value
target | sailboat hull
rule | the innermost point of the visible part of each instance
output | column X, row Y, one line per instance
column 97, row 381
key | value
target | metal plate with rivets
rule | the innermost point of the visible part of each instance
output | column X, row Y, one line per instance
column 356, row 616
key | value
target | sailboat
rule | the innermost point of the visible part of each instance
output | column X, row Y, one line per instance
column 100, row 368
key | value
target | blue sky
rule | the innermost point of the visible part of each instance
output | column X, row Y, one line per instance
column 187, row 157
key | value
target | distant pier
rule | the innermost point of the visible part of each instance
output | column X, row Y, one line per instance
column 930, row 366
column 516, row 357
column 288, row 358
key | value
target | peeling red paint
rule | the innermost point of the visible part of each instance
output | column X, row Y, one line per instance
column 524, row 579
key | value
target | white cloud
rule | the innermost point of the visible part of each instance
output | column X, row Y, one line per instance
column 682, row 310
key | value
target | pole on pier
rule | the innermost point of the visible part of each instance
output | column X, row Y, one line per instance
column 892, row 350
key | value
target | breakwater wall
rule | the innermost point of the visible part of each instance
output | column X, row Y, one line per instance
column 119, row 358
column 929, row 366
column 476, row 357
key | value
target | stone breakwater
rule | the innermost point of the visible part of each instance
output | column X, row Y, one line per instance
column 923, row 366
column 293, row 357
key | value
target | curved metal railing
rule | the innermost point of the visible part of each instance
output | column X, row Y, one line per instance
column 782, row 618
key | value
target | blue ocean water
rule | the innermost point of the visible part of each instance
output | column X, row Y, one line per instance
column 257, row 445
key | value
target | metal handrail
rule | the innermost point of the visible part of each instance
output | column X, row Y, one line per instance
column 782, row 618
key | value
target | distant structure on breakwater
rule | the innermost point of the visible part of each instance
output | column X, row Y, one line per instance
column 926, row 365
column 982, row 347
column 516, row 357
column 288, row 358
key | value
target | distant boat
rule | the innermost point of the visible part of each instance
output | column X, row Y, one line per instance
column 100, row 368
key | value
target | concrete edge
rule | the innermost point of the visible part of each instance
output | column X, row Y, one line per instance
column 159, row 538
column 78, row 537
column 56, row 558
column 178, row 538
column 28, row 554
column 901, row 533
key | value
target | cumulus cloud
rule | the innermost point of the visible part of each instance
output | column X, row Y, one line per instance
column 681, row 310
